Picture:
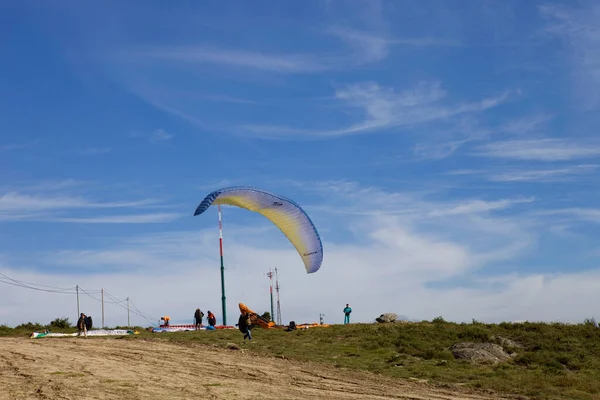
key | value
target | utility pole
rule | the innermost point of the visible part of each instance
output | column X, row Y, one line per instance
column 78, row 313
column 223, row 307
column 102, row 308
column 128, row 323
column 270, row 275
column 278, row 305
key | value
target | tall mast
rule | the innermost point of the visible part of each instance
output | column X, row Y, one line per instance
column 270, row 275
column 278, row 304
column 222, row 267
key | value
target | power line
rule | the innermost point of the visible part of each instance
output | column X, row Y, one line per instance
column 75, row 290
column 8, row 280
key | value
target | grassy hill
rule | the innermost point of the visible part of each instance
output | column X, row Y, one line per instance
column 556, row 361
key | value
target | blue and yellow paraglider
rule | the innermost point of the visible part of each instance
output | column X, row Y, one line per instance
column 288, row 216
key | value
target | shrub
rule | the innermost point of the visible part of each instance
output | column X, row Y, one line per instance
column 61, row 323
column 267, row 315
column 31, row 326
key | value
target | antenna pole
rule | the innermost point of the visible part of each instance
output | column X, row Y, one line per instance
column 103, row 308
column 128, row 323
column 270, row 275
column 222, row 267
column 278, row 304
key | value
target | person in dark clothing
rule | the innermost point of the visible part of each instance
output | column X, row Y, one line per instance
column 81, row 325
column 244, row 326
column 212, row 320
column 198, row 317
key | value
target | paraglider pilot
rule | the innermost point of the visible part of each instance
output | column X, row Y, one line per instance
column 244, row 326
column 81, row 325
column 347, row 312
column 166, row 319
column 198, row 318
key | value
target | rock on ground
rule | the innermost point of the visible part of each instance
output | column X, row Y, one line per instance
column 480, row 353
column 506, row 343
column 387, row 317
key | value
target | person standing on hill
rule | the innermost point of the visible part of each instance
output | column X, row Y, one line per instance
column 347, row 312
column 81, row 325
column 198, row 318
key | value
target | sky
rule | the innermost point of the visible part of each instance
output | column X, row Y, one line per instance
column 446, row 151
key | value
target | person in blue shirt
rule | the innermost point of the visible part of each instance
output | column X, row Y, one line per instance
column 347, row 312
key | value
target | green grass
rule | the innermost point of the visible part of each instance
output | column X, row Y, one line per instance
column 558, row 361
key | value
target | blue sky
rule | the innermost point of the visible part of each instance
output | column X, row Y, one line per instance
column 447, row 152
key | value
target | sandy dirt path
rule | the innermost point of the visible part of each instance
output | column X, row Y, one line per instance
column 109, row 368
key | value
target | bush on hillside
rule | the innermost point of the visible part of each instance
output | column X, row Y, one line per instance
column 31, row 326
column 60, row 323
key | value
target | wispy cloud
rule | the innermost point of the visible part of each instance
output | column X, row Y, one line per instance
column 366, row 47
column 16, row 146
column 384, row 108
column 283, row 63
column 118, row 219
column 577, row 25
column 156, row 136
column 19, row 202
column 525, row 125
column 45, row 186
column 539, row 150
column 57, row 208
column 91, row 151
column 370, row 47
column 542, row 175
column 583, row 214
column 479, row 206
column 529, row 174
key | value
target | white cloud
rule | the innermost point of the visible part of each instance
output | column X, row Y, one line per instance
column 371, row 47
column 90, row 151
column 156, row 136
column 583, row 214
column 45, row 186
column 368, row 46
column 389, row 265
column 578, row 27
column 117, row 219
column 383, row 109
column 16, row 146
column 388, row 271
column 539, row 150
column 479, row 206
column 547, row 175
column 525, row 125
column 53, row 207
column 15, row 202
column 282, row 63
column 542, row 175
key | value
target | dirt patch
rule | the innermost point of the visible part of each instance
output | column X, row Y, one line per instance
column 99, row 368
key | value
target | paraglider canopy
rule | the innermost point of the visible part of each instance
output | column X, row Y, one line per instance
column 288, row 216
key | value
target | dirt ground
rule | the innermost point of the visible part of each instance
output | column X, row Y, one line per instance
column 109, row 368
